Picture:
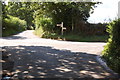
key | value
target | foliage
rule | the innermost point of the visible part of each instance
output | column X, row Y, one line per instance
column 39, row 32
column 45, row 15
column 70, row 13
column 72, row 37
column 4, row 10
column 23, row 10
column 43, row 25
column 95, row 29
column 111, row 51
column 12, row 25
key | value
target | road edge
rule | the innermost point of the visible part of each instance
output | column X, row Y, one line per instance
column 104, row 65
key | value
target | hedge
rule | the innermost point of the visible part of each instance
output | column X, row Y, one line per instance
column 111, row 51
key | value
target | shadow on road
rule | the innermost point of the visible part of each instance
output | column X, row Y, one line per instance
column 14, row 37
column 47, row 62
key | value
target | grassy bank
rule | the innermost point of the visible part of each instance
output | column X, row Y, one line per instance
column 73, row 37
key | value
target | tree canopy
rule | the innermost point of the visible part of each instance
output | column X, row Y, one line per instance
column 70, row 13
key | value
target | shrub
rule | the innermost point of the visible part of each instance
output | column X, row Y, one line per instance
column 96, row 29
column 111, row 51
column 43, row 26
column 39, row 32
column 12, row 25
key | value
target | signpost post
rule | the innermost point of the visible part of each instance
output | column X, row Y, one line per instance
column 63, row 28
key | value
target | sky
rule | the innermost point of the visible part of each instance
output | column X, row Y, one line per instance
column 105, row 12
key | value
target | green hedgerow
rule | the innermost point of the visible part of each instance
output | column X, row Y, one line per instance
column 111, row 51
column 12, row 25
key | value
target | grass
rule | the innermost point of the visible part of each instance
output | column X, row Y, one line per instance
column 82, row 38
column 38, row 32
column 94, row 38
column 71, row 36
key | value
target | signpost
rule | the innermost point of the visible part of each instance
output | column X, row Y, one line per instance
column 63, row 28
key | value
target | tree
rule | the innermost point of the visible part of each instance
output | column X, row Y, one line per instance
column 71, row 13
column 22, row 10
column 4, row 13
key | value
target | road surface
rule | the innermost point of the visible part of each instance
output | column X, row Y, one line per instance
column 36, row 57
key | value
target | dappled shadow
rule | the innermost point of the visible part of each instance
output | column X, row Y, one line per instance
column 47, row 62
column 14, row 37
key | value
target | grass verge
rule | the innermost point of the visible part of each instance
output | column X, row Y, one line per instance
column 73, row 37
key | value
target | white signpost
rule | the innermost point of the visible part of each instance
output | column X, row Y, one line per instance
column 63, row 28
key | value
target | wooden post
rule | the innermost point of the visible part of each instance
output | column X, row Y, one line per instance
column 63, row 28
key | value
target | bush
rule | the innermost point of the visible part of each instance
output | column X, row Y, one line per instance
column 43, row 26
column 12, row 25
column 39, row 32
column 95, row 29
column 111, row 51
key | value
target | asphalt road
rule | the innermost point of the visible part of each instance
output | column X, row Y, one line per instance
column 36, row 57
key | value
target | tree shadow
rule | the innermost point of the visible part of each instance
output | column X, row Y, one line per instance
column 47, row 62
column 14, row 37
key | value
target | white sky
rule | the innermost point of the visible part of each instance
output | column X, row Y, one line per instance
column 104, row 12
